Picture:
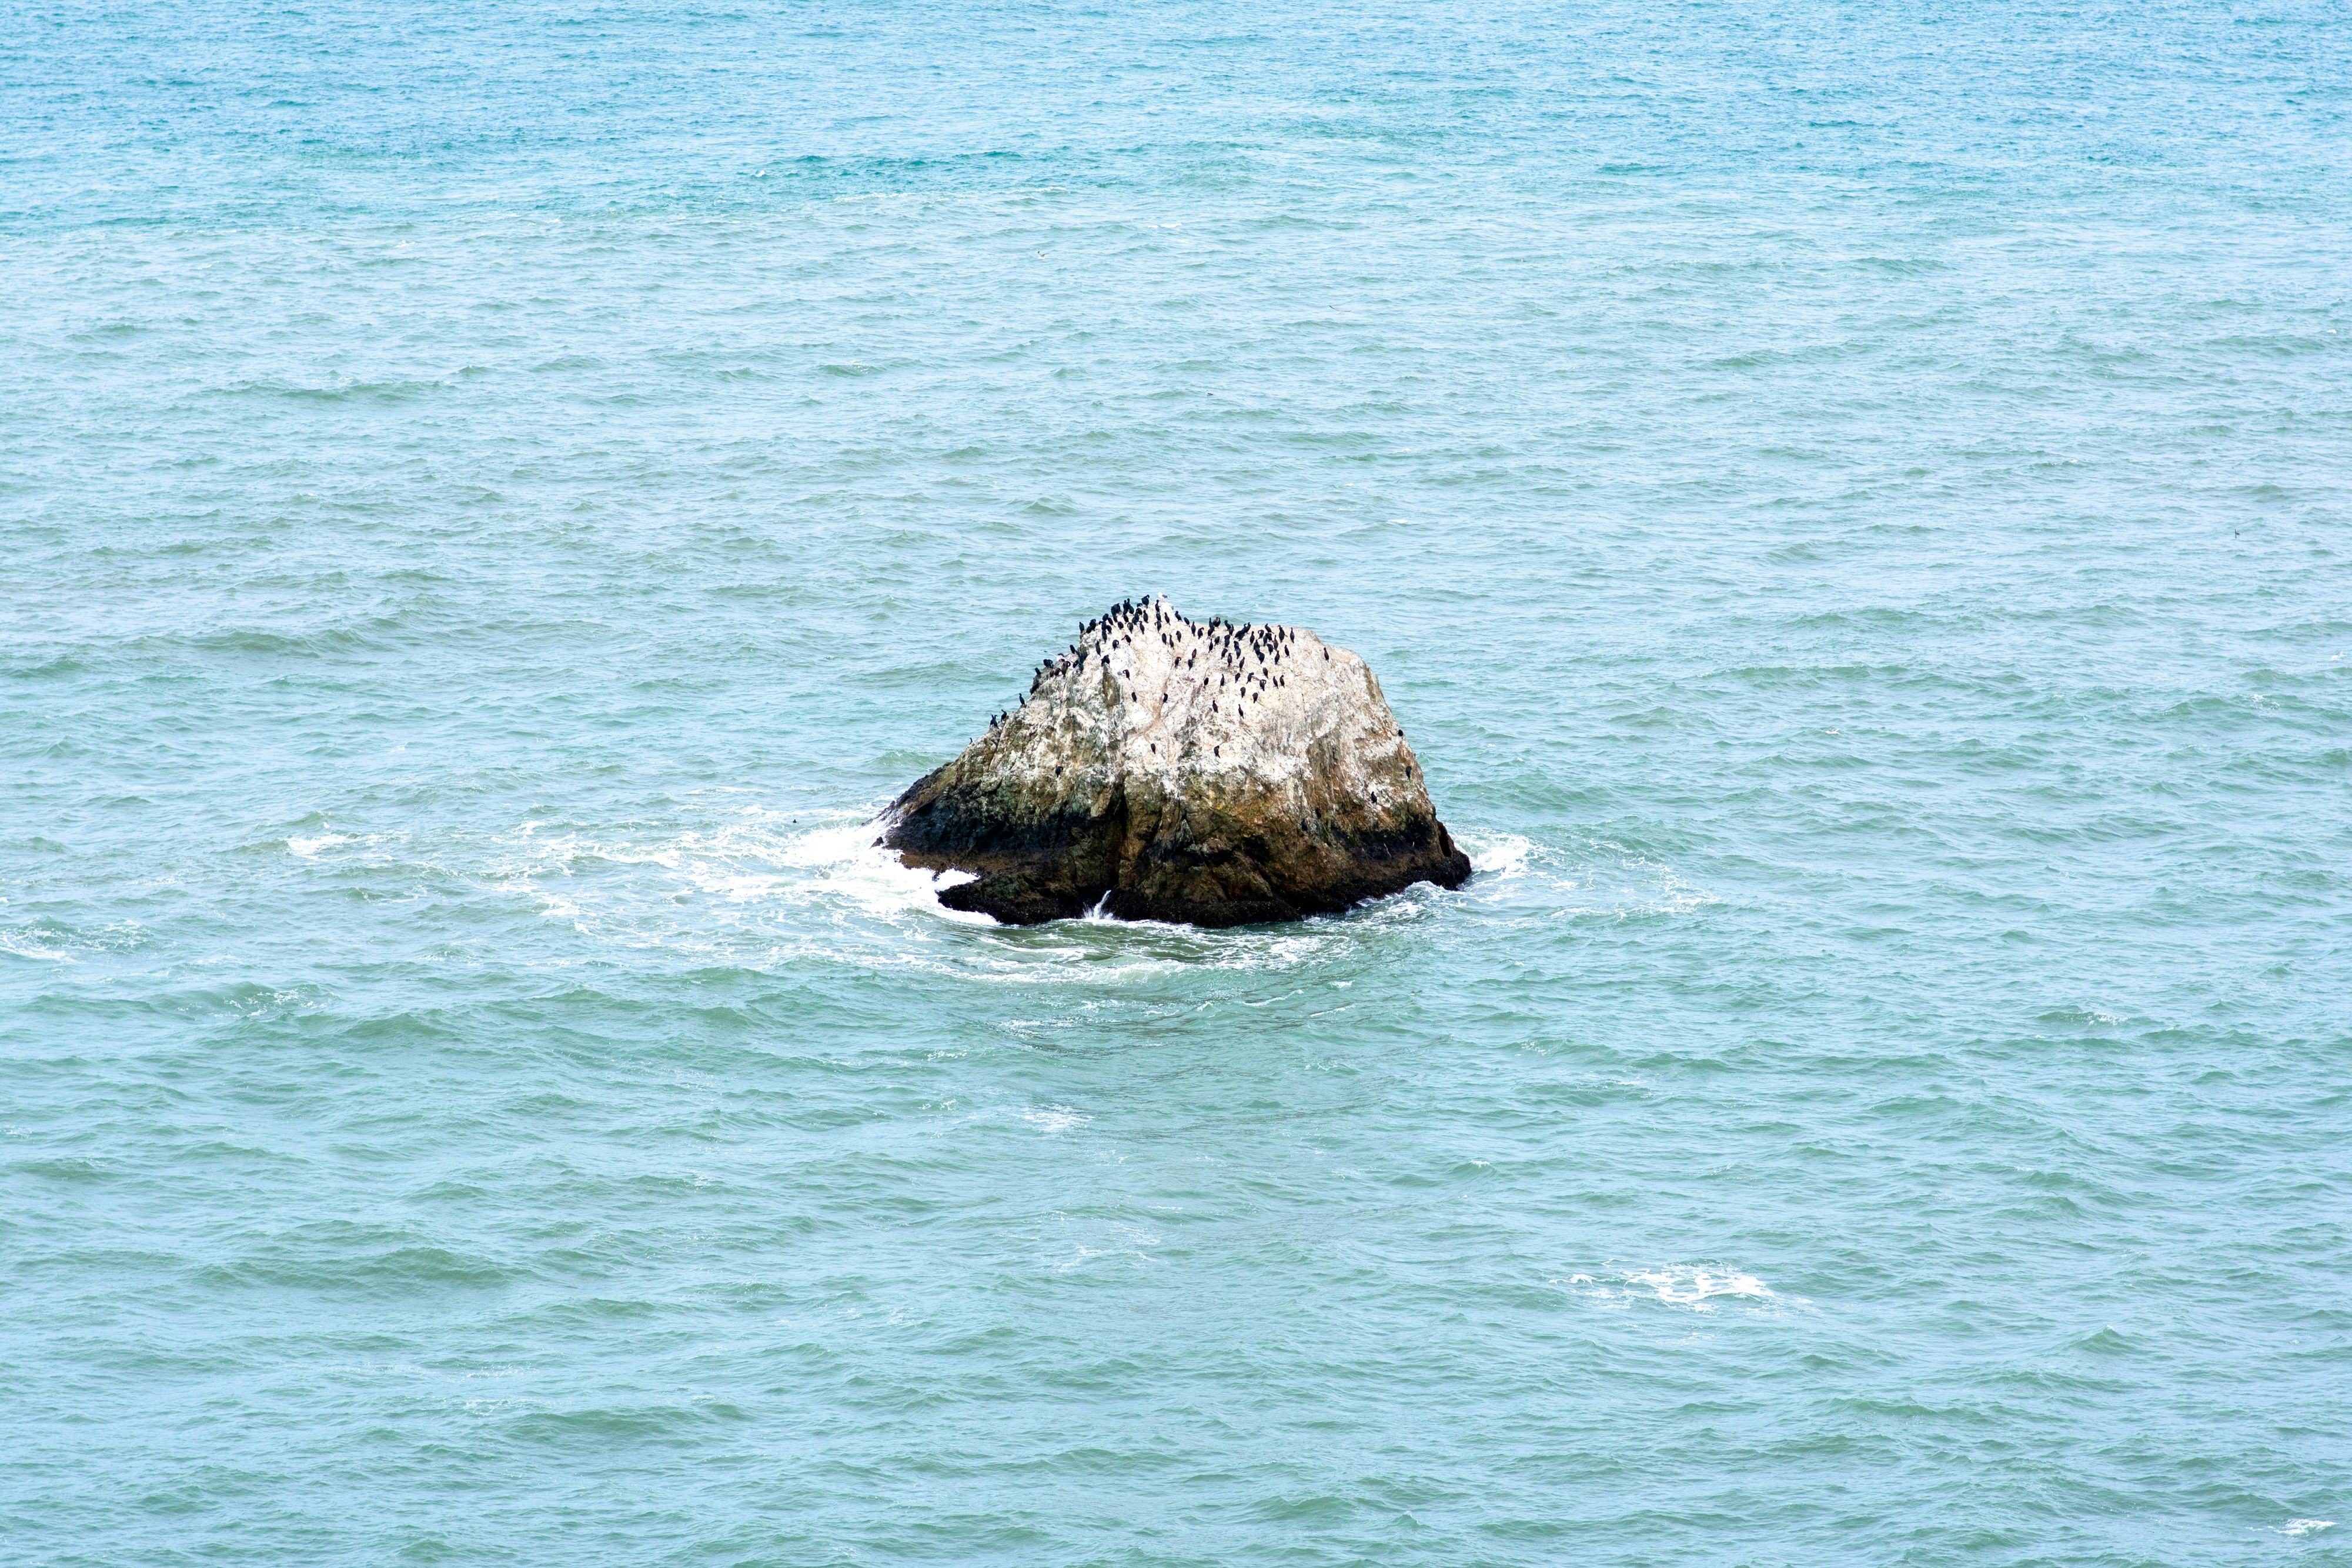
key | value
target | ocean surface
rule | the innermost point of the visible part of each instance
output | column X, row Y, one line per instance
column 1851, row 503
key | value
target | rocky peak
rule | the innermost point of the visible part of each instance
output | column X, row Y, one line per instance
column 1181, row 769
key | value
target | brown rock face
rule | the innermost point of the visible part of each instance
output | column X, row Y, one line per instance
column 1176, row 769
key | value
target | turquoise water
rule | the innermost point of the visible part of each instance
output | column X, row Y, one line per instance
column 1850, row 504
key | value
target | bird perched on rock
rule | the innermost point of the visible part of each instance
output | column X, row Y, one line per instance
column 1298, row 797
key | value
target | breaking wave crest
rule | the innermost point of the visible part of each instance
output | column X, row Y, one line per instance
column 1697, row 1288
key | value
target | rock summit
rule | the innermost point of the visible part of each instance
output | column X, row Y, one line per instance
column 1162, row 768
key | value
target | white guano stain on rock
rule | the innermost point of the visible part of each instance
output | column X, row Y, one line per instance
column 1240, row 772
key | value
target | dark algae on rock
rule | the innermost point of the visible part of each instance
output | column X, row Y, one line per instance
column 1165, row 768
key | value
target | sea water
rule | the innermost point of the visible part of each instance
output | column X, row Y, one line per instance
column 1850, row 502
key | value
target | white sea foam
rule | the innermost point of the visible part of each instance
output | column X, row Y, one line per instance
column 741, row 891
column 759, row 863
column 845, row 862
column 307, row 848
column 2306, row 1526
column 1499, row 854
column 24, row 945
column 1582, row 880
column 49, row 944
column 1698, row 1288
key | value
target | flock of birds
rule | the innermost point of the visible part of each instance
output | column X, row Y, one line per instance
column 1248, row 660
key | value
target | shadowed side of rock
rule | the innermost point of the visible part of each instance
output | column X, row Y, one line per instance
column 1054, row 863
column 1169, row 770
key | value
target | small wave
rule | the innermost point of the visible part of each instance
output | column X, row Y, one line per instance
column 24, row 945
column 1128, row 1244
column 50, row 942
column 2306, row 1526
column 1053, row 1118
column 2083, row 1016
column 1581, row 881
column 307, row 848
column 1502, row 854
column 1697, row 1288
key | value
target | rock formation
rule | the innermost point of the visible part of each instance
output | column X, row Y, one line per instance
column 1171, row 770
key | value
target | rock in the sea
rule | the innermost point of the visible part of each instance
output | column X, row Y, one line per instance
column 1171, row 770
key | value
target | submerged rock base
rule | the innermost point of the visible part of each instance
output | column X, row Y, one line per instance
column 1174, row 769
